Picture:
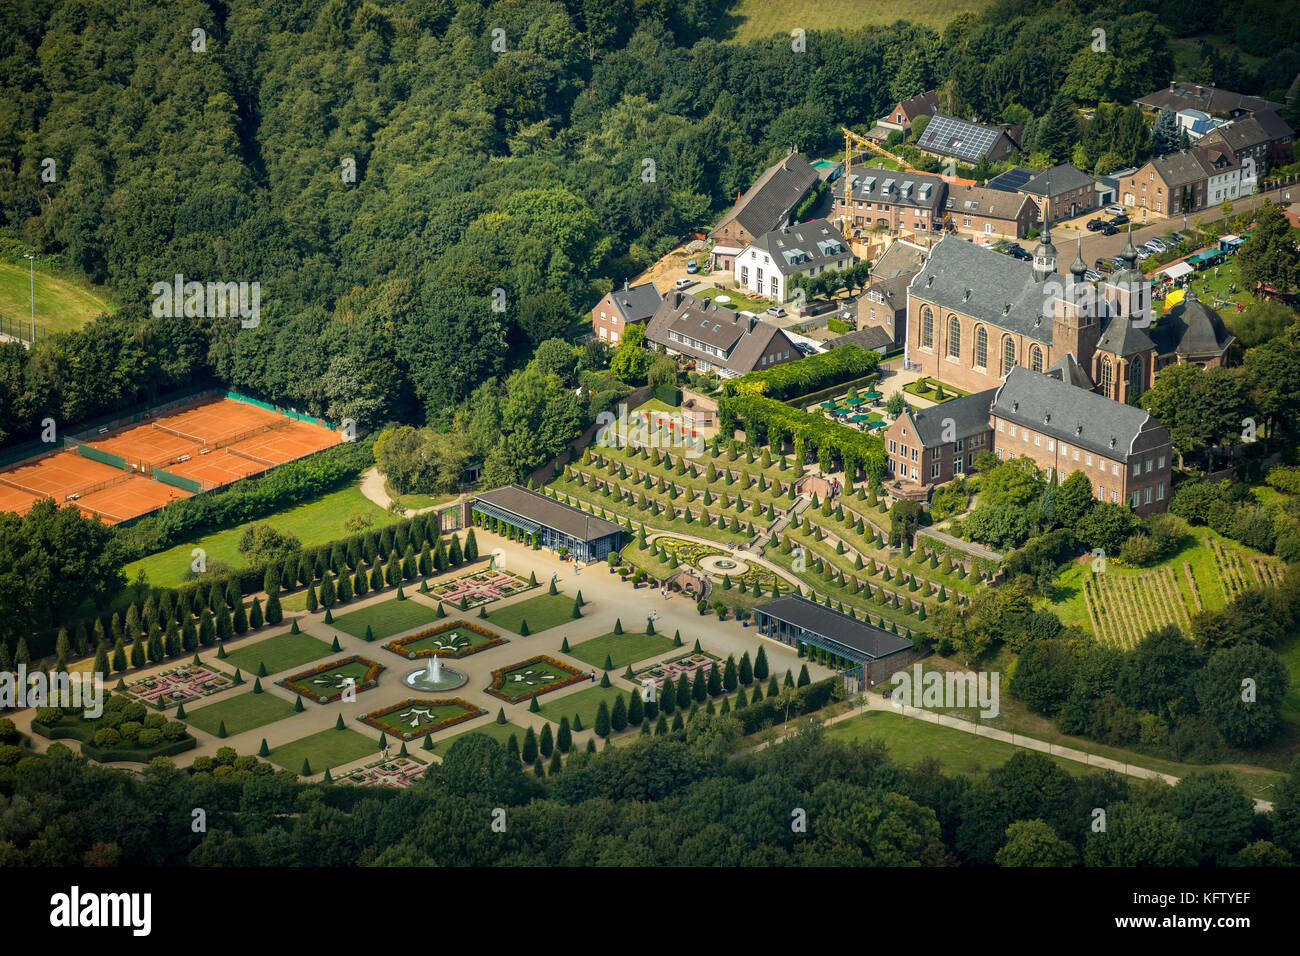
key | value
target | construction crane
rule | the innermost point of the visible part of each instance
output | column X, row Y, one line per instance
column 850, row 138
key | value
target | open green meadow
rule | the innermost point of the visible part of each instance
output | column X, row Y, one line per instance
column 756, row 19
column 62, row 303
column 314, row 523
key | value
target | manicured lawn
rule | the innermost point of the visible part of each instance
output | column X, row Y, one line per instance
column 62, row 303
column 386, row 618
column 418, row 501
column 623, row 649
column 909, row 740
column 498, row 732
column 329, row 748
column 542, row 613
column 654, row 405
column 316, row 522
column 584, row 703
column 737, row 300
column 240, row 713
column 914, row 388
column 279, row 653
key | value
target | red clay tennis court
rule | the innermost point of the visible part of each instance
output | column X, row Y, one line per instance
column 211, row 442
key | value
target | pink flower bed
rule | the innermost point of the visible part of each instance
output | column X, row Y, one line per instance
column 673, row 670
column 481, row 587
column 399, row 772
column 178, row 686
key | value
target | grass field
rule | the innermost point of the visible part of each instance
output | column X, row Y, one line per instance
column 736, row 300
column 623, row 649
column 62, row 303
column 329, row 748
column 279, row 653
column 755, row 19
column 498, row 732
column 584, row 703
column 240, row 713
column 909, row 740
column 542, row 613
column 418, row 501
column 386, row 619
column 316, row 522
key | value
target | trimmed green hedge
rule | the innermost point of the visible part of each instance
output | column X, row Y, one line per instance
column 806, row 375
column 767, row 712
column 85, row 733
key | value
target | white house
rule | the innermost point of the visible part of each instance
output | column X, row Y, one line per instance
column 766, row 265
column 1223, row 174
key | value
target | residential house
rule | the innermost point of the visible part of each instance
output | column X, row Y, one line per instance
column 1258, row 143
column 1206, row 98
column 982, row 211
column 902, row 116
column 883, row 305
column 870, row 339
column 1061, row 192
column 947, row 137
column 630, row 305
column 930, row 446
column 767, row 205
column 1196, row 123
column 895, row 201
column 1222, row 171
column 1169, row 185
column 766, row 266
column 1125, row 453
column 716, row 338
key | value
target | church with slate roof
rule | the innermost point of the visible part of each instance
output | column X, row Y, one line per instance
column 973, row 314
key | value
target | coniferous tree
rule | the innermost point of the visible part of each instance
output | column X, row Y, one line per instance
column 545, row 741
column 602, row 720
column 100, row 666
column 746, row 670
column 529, row 751
column 760, row 664
column 804, row 679
column 667, row 697
column 255, row 614
column 512, row 747
column 119, row 657
column 661, row 726
column 564, row 738
column 137, row 654
column 635, row 709
column 618, row 715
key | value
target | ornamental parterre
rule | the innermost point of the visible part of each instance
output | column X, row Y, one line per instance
column 453, row 639
column 415, row 717
column 326, row 683
column 537, row 675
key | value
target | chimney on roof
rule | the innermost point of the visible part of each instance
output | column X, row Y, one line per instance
column 624, row 285
column 1200, row 91
column 677, row 299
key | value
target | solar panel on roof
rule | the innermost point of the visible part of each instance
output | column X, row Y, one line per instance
column 965, row 140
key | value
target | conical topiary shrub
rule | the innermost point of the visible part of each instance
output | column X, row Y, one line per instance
column 221, row 730
column 338, row 724
column 293, row 628
column 264, row 750
column 501, row 715
column 534, row 707
column 428, row 742
column 257, row 685
column 180, row 712
column 523, row 627
column 261, row 669
column 306, row 768
column 564, row 646
column 336, row 646
column 298, row 707
column 221, row 652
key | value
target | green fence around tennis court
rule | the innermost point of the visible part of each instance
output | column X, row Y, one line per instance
column 98, row 454
column 177, row 481
column 279, row 410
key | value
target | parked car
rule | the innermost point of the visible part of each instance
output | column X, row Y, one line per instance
column 777, row 312
column 683, row 283
column 1105, row 265
column 1095, row 224
column 1092, row 275
column 692, row 267
column 1144, row 253
column 1176, row 239
column 804, row 347
column 1019, row 253
column 1155, row 245
column 1119, row 220
column 1107, row 229
column 1115, row 209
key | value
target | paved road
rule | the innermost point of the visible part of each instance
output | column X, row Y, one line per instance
column 1096, row 246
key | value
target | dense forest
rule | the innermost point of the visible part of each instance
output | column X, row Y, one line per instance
column 382, row 167
column 686, row 798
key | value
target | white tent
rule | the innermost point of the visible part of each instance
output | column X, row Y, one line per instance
column 1178, row 270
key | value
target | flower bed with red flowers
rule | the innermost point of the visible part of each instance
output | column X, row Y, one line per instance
column 314, row 685
column 486, row 639
column 460, row 710
column 537, row 675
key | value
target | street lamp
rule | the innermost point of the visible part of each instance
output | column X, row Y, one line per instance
column 31, row 271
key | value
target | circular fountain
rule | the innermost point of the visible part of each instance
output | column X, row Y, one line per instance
column 435, row 677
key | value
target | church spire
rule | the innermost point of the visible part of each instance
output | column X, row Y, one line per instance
column 1045, row 252
column 1078, row 267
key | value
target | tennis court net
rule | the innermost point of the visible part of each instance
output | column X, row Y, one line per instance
column 31, row 491
column 180, row 434
column 251, row 457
